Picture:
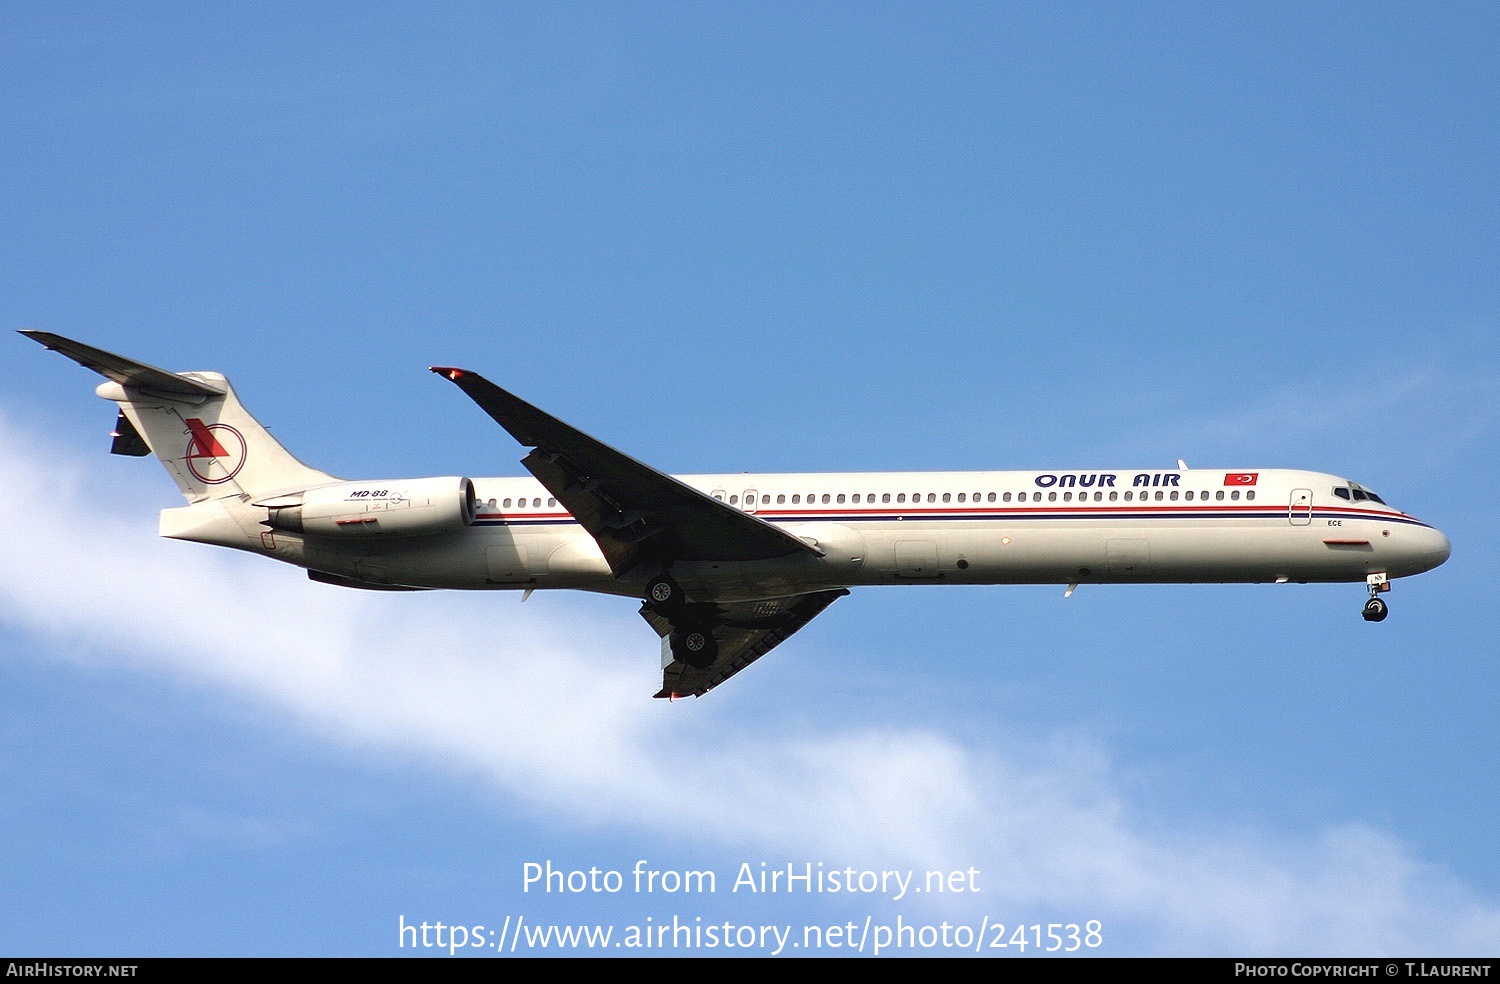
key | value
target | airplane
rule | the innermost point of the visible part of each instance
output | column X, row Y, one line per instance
column 728, row 566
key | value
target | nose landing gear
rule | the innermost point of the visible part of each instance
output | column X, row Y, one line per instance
column 1375, row 609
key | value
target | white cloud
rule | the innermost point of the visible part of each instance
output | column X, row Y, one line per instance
column 557, row 712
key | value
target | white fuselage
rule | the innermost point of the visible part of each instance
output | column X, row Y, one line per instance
column 1119, row 526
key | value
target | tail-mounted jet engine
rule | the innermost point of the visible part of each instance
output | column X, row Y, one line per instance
column 358, row 509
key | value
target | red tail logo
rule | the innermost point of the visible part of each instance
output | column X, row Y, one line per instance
column 215, row 452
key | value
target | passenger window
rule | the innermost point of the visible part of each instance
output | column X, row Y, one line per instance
column 1006, row 497
column 1052, row 496
column 1173, row 496
column 1159, row 496
column 780, row 500
column 841, row 497
column 992, row 497
column 825, row 498
column 946, row 497
column 1235, row 494
column 1114, row 497
column 960, row 497
column 506, row 504
column 551, row 503
column 886, row 497
column 1219, row 495
column 856, row 497
column 1250, row 494
column 734, row 500
column 1067, row 497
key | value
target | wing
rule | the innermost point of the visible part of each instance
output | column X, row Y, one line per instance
column 745, row 631
column 637, row 514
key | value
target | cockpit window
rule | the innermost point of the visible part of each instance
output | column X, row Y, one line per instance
column 1358, row 494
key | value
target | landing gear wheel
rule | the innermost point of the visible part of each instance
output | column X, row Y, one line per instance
column 664, row 595
column 1376, row 610
column 695, row 647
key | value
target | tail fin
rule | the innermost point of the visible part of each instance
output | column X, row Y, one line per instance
column 193, row 423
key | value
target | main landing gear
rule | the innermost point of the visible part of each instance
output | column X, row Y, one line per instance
column 1375, row 609
column 695, row 646
column 664, row 595
column 691, row 642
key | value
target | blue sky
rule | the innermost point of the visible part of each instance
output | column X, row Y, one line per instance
column 763, row 238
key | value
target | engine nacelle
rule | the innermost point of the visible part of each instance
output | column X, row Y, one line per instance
column 403, row 507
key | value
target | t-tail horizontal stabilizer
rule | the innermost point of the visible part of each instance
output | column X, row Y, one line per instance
column 192, row 422
column 126, row 372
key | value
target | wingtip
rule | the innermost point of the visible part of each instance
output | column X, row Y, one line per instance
column 448, row 371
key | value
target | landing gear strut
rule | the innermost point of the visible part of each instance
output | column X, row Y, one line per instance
column 1375, row 609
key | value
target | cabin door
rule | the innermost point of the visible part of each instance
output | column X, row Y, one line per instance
column 1300, row 511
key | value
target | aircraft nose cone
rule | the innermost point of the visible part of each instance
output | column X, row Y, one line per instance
column 1440, row 549
column 1428, row 549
